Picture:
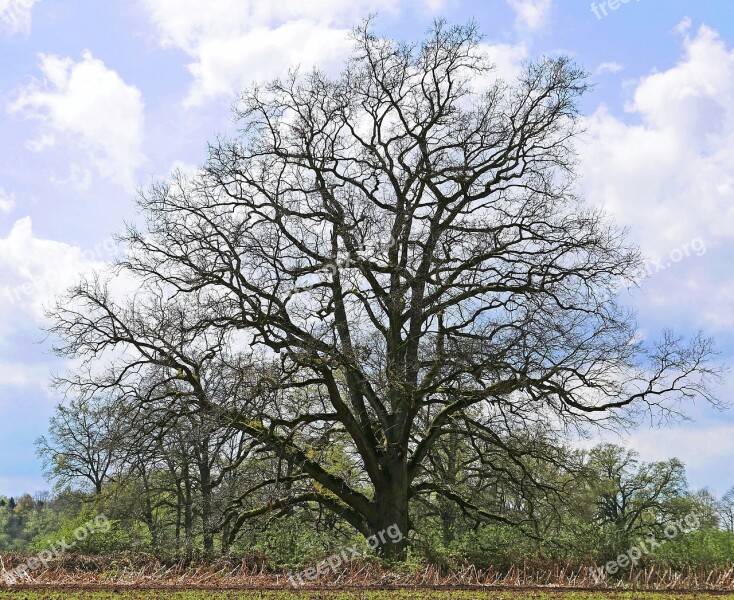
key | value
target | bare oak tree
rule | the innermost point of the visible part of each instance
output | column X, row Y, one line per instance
column 401, row 253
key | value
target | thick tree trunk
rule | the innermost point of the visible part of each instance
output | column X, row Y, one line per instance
column 447, row 521
column 389, row 532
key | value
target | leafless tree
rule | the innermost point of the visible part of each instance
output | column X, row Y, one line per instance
column 401, row 253
column 84, row 443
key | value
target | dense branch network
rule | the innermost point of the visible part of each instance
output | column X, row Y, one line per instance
column 380, row 265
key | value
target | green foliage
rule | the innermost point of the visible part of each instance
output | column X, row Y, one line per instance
column 14, row 517
column 91, row 533
column 707, row 547
column 42, row 524
column 290, row 542
column 614, row 502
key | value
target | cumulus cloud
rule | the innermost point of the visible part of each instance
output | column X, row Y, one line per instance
column 507, row 58
column 34, row 270
column 531, row 15
column 666, row 169
column 235, row 42
column 227, row 63
column 89, row 106
column 670, row 172
column 7, row 201
column 15, row 16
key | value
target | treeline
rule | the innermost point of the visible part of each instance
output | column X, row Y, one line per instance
column 160, row 504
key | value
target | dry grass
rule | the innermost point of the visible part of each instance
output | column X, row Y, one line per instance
column 142, row 571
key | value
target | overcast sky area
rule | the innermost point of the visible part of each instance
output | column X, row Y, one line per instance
column 100, row 98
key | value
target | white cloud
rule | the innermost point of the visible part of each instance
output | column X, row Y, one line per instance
column 433, row 6
column 704, row 447
column 17, row 374
column 79, row 178
column 700, row 292
column 531, row 15
column 88, row 106
column 47, row 140
column 7, row 201
column 226, row 64
column 187, row 23
column 34, row 270
column 234, row 42
column 666, row 169
column 684, row 26
column 700, row 449
column 507, row 59
column 670, row 174
column 15, row 15
column 608, row 67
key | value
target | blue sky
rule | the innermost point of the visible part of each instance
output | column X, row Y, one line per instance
column 100, row 98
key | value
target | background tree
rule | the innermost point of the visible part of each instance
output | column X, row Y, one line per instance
column 725, row 510
column 634, row 499
column 83, row 443
column 705, row 505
